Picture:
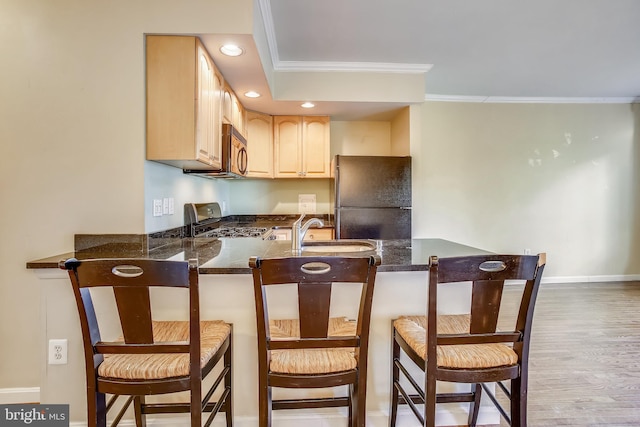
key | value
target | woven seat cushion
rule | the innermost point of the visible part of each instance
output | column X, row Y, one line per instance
column 468, row 356
column 314, row 360
column 155, row 366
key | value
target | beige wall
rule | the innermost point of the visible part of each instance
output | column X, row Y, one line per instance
column 364, row 138
column 72, row 137
column 555, row 178
column 400, row 133
column 279, row 196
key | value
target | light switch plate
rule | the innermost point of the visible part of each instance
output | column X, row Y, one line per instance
column 157, row 207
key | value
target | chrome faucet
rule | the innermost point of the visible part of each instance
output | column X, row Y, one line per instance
column 299, row 230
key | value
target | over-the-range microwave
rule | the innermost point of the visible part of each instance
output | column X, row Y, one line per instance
column 234, row 156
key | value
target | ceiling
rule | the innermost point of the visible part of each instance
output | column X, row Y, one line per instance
column 480, row 51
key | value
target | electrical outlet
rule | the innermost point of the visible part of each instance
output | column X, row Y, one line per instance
column 165, row 206
column 58, row 352
column 307, row 203
column 157, row 207
column 527, row 251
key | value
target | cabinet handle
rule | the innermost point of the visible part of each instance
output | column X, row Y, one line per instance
column 242, row 161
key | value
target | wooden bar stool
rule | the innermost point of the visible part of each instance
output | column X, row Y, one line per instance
column 314, row 350
column 152, row 357
column 469, row 348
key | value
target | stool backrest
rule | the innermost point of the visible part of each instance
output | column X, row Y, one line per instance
column 314, row 278
column 131, row 279
column 488, row 274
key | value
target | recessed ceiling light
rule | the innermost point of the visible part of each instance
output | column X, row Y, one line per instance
column 231, row 50
column 308, row 105
column 252, row 94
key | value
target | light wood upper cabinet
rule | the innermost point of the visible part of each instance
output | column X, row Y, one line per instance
column 301, row 146
column 227, row 105
column 259, row 144
column 232, row 111
column 184, row 103
column 239, row 116
column 209, row 122
column 316, row 144
column 287, row 138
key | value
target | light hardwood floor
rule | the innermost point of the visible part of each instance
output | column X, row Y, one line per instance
column 585, row 355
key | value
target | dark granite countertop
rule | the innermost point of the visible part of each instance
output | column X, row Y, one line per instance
column 231, row 255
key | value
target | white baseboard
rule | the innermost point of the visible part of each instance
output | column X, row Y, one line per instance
column 592, row 279
column 10, row 396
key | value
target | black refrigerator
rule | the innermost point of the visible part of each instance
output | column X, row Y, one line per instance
column 372, row 197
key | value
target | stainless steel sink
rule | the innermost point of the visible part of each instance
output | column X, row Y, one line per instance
column 339, row 246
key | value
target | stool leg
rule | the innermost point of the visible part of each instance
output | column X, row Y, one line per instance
column 264, row 403
column 359, row 400
column 474, row 407
column 195, row 402
column 96, row 409
column 227, row 384
column 395, row 377
column 518, row 402
column 141, row 419
column 352, row 402
column 430, row 399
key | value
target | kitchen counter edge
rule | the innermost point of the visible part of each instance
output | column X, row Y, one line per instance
column 231, row 256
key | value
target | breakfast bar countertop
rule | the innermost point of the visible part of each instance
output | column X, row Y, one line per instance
column 231, row 256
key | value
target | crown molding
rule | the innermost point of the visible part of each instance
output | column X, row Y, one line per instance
column 270, row 32
column 376, row 67
column 531, row 100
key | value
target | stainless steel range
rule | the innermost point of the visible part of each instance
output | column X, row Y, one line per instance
column 205, row 220
column 236, row 231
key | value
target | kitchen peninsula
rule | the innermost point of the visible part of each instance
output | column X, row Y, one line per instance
column 227, row 293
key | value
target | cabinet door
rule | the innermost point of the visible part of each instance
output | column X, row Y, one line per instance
column 171, row 72
column 316, row 143
column 204, row 107
column 227, row 106
column 208, row 130
column 238, row 115
column 319, row 234
column 287, row 137
column 232, row 110
column 260, row 144
column 215, row 150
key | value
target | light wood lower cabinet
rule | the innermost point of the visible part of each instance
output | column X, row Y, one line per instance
column 301, row 146
column 319, row 234
column 184, row 103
